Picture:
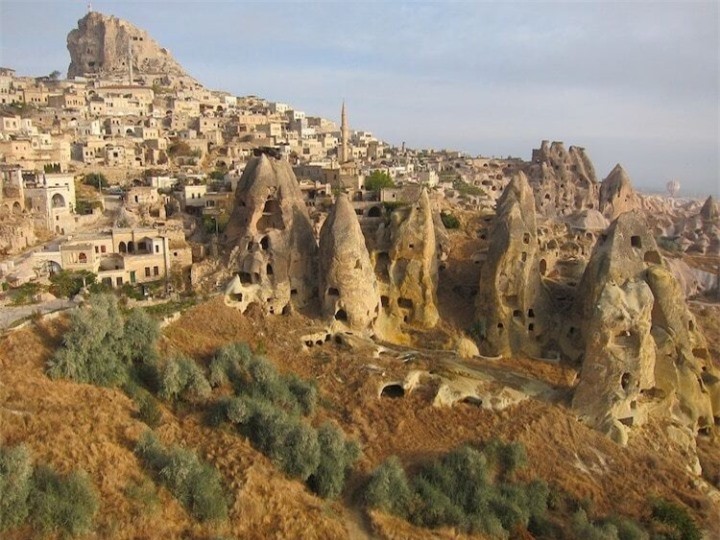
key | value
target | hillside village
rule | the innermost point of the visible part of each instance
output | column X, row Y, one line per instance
column 473, row 284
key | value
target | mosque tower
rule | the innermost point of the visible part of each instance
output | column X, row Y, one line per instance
column 345, row 136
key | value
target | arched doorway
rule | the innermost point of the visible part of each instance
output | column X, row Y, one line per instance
column 58, row 201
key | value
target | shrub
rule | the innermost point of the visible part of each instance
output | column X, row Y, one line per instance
column 59, row 502
column 101, row 347
column 194, row 483
column 66, row 284
column 256, row 377
column 457, row 490
column 337, row 456
column 449, row 220
column 388, row 489
column 508, row 457
column 97, row 180
column 15, row 484
column 181, row 378
column 378, row 180
column 148, row 410
column 583, row 528
column 268, row 409
column 144, row 494
column 627, row 529
column 676, row 517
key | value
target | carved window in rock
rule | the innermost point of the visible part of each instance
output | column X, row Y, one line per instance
column 272, row 217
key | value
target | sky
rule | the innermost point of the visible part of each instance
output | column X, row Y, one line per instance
column 635, row 83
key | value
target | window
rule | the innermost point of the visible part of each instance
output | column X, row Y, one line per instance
column 157, row 249
column 147, row 271
column 156, row 271
column 103, row 249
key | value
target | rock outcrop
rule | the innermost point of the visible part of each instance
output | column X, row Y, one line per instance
column 699, row 233
column 511, row 302
column 407, row 265
column 347, row 285
column 274, row 253
column 102, row 44
column 563, row 181
column 617, row 195
column 643, row 354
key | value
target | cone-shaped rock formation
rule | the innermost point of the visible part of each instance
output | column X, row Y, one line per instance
column 273, row 247
column 348, row 288
column 617, row 195
column 511, row 303
column 643, row 353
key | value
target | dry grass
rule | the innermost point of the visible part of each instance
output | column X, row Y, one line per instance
column 71, row 425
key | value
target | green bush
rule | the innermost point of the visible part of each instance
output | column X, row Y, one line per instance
column 627, row 529
column 144, row 494
column 388, row 489
column 337, row 456
column 182, row 378
column 449, row 220
column 678, row 518
column 15, row 485
column 25, row 293
column 459, row 490
column 58, row 502
column 102, row 346
column 148, row 410
column 196, row 484
column 97, row 180
column 255, row 377
column 583, row 528
column 268, row 408
column 378, row 180
column 66, row 284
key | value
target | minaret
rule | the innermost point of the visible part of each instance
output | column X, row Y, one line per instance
column 345, row 136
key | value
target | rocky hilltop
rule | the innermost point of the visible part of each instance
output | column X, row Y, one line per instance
column 102, row 43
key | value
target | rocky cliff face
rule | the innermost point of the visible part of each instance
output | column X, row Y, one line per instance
column 348, row 288
column 563, row 180
column 274, row 253
column 511, row 304
column 617, row 194
column 100, row 44
column 643, row 354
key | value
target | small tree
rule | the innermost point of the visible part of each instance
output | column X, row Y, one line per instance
column 378, row 180
column 97, row 180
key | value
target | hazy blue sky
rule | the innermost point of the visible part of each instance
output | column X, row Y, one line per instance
column 634, row 83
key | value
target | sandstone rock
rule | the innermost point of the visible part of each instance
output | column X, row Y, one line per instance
column 409, row 268
column 617, row 194
column 273, row 247
column 100, row 44
column 511, row 304
column 709, row 210
column 641, row 342
column 682, row 347
column 563, row 181
column 619, row 359
column 347, row 285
